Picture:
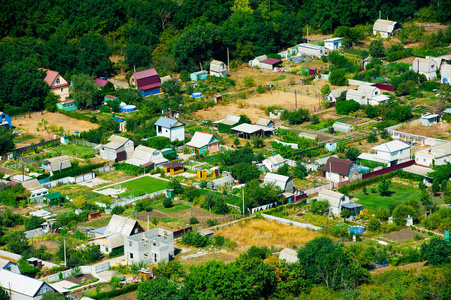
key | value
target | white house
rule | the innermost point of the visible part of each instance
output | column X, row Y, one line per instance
column 338, row 169
column 57, row 84
column 256, row 61
column 335, row 199
column 35, row 188
column 367, row 95
column 333, row 43
column 390, row 153
column 445, row 72
column 218, row 68
column 385, row 28
column 284, row 182
column 335, row 94
column 435, row 155
column 310, row 50
column 170, row 128
column 118, row 149
column 9, row 265
column 428, row 119
column 146, row 156
column 270, row 63
column 273, row 163
column 427, row 67
column 21, row 287
column 150, row 247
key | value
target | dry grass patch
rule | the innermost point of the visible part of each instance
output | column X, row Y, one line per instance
column 436, row 130
column 264, row 233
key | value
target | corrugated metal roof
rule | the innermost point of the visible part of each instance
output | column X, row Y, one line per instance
column 384, row 25
column 271, row 61
column 331, row 194
column 34, row 233
column 264, row 122
column 229, row 120
column 437, row 150
column 3, row 263
column 247, row 128
column 100, row 82
column 32, row 185
column 279, row 180
column 168, row 123
column 337, row 165
column 119, row 224
column 115, row 240
column 391, row 146
column 145, row 73
column 276, row 159
column 201, row 139
column 422, row 64
column 290, row 255
column 20, row 283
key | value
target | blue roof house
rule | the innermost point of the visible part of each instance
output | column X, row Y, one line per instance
column 170, row 128
column 5, row 120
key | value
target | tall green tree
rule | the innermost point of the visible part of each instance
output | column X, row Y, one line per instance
column 159, row 289
column 6, row 140
column 93, row 57
column 138, row 56
column 83, row 89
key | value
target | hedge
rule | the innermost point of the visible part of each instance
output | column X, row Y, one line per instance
column 114, row 293
column 76, row 170
column 78, row 116
column 128, row 169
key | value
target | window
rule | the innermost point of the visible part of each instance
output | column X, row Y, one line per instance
column 130, row 243
column 62, row 90
column 57, row 81
column 131, row 255
column 146, row 255
column 155, row 257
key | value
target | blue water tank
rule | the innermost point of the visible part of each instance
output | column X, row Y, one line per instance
column 196, row 95
column 128, row 108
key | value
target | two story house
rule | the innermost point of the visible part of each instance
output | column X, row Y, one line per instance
column 367, row 95
column 118, row 149
column 60, row 86
column 150, row 247
column 338, row 169
column 147, row 82
column 390, row 153
column 427, row 67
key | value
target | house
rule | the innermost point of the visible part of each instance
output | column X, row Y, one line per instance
column 310, row 50
column 174, row 168
column 385, row 28
column 335, row 199
column 342, row 127
column 256, row 61
column 333, row 43
column 200, row 75
column 147, row 82
column 203, row 142
column 335, row 94
column 390, row 153
column 270, row 63
column 118, row 229
column 118, row 149
column 56, row 163
column 5, row 120
column 229, row 120
column 265, row 123
column 57, row 84
column 445, row 73
column 150, row 247
column 67, row 105
column 35, row 188
column 289, row 255
column 434, row 155
column 247, row 131
column 21, row 287
column 9, row 265
column 367, row 95
column 219, row 183
column 273, row 163
column 284, row 182
column 427, row 67
column 338, row 169
column 108, row 98
column 428, row 119
column 100, row 82
column 170, row 128
column 218, row 68
column 165, row 78
column 145, row 157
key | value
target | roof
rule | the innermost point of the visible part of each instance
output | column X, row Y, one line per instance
column 100, row 82
column 55, row 195
column 310, row 46
column 373, row 157
column 418, row 170
column 115, row 240
column 100, row 230
column 279, row 180
column 429, row 116
column 116, row 142
column 367, row 89
column 391, row 146
column 50, row 76
column 165, row 78
column 358, row 93
column 20, row 283
column 276, row 159
column 380, row 98
column 58, row 159
column 308, row 135
column 332, row 194
column 110, row 97
column 4, row 263
column 261, row 58
column 337, row 92
column 173, row 165
column 421, row 64
column 323, row 161
column 332, row 197
column 229, row 120
column 337, row 39
column 247, row 128
column 223, row 181
column 337, row 165
column 149, row 86
column 264, row 122
column 119, row 224
column 448, row 110
column 351, row 205
column 216, row 62
column 200, row 139
column 436, row 151
column 290, row 255
column 271, row 61
column 340, row 125
column 145, row 73
column 34, row 233
column 32, row 185
column 144, row 156
column 168, row 123
column 384, row 25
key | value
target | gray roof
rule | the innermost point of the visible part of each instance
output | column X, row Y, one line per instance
column 418, row 170
column 200, row 139
column 323, row 161
column 215, row 65
column 261, row 57
column 337, row 92
column 21, row 284
column 119, row 224
column 290, row 255
column 436, row 151
column 58, row 159
column 332, row 194
column 448, row 110
column 4, row 262
column 351, row 205
column 116, row 142
column 229, row 120
column 34, row 233
column 32, row 185
column 422, row 64
column 247, row 128
column 391, row 146
column 168, row 123
column 384, row 25
column 264, row 122
column 278, row 180
column 276, row 159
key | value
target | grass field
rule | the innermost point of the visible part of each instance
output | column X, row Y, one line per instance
column 177, row 207
column 401, row 194
column 143, row 185
column 79, row 151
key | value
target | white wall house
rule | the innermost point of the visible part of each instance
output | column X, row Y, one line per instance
column 273, row 163
column 335, row 199
column 445, row 73
column 367, row 95
column 150, row 247
column 256, row 61
column 218, row 69
column 310, row 50
column 335, row 94
column 21, row 287
column 427, row 67
column 435, row 155
column 338, row 169
column 385, row 28
column 170, row 128
column 428, row 119
column 333, row 43
column 118, row 149
column 284, row 182
column 390, row 153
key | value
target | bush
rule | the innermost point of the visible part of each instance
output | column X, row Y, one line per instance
column 76, row 170
column 115, row 293
column 128, row 169
column 167, row 203
column 194, row 239
column 193, row 220
column 261, row 89
column 346, row 107
column 117, row 210
column 337, row 77
column 249, row 81
column 212, row 222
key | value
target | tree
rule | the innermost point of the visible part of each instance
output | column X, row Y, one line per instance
column 373, row 225
column 236, row 141
column 346, row 107
column 372, row 138
column 172, row 87
column 258, row 142
column 376, row 48
column 437, row 251
column 244, row 172
column 194, row 239
column 6, row 140
column 325, row 89
column 115, row 282
column 16, row 242
column 93, row 57
column 33, row 222
column 159, row 289
column 167, row 203
column 175, row 185
column 384, row 187
column 4, row 294
column 300, row 171
column 345, row 214
column 320, row 207
column 83, row 89
column 401, row 212
column 50, row 101
column 249, row 81
column 445, row 93
column 364, row 190
column 314, row 119
column 138, row 56
column 435, row 187
column 338, row 77
column 352, row 154
column 284, row 170
column 184, row 76
column 193, row 220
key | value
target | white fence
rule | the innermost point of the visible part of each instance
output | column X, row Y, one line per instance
column 309, row 167
column 413, row 137
column 130, row 199
column 105, row 169
column 289, row 222
column 263, row 207
column 9, row 255
column 64, row 180
column 83, row 270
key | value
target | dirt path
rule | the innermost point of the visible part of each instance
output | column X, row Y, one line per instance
column 119, row 83
column 418, row 266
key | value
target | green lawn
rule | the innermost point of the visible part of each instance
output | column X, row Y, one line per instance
column 79, row 151
column 143, row 185
column 177, row 207
column 402, row 193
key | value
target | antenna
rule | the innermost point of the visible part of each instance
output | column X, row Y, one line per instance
column 379, row 14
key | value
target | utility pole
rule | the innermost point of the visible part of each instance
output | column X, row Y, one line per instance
column 295, row 100
column 65, row 260
column 242, row 192
column 228, row 60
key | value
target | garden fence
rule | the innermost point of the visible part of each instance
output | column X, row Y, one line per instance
column 130, row 199
column 290, row 222
column 84, row 143
column 83, row 270
column 27, row 148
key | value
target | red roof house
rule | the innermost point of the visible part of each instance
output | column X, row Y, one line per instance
column 100, row 82
column 57, row 83
column 146, row 81
column 270, row 63
column 338, row 169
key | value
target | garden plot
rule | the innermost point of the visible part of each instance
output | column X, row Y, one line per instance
column 135, row 187
column 402, row 235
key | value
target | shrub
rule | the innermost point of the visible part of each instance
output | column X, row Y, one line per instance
column 337, row 77
column 194, row 239
column 193, row 220
column 167, row 203
column 212, row 222
column 249, row 81
column 115, row 293
column 117, row 210
column 261, row 89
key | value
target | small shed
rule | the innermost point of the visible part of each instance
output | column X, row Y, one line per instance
column 270, row 63
column 385, row 28
column 335, row 199
column 110, row 98
column 173, row 168
column 218, row 68
column 310, row 50
column 93, row 215
column 256, row 61
column 5, row 120
column 219, row 183
column 265, row 122
column 331, row 146
column 429, row 119
column 57, row 163
column 342, row 127
column 289, row 255
column 354, row 208
column 55, row 198
column 333, row 43
column 247, row 131
column 200, row 75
